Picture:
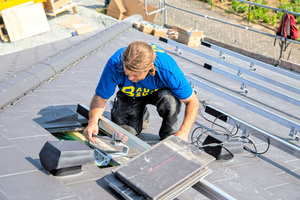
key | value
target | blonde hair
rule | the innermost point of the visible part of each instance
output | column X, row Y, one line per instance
column 138, row 57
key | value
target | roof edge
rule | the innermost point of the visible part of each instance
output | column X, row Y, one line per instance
column 11, row 90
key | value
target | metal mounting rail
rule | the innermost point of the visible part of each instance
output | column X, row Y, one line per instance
column 263, row 112
column 116, row 131
column 262, row 88
column 246, row 82
column 232, row 66
column 134, row 142
column 249, row 128
column 252, row 61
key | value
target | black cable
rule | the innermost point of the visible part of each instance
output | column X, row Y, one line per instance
column 196, row 140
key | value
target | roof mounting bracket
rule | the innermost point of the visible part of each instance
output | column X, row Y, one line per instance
column 252, row 66
column 244, row 87
column 221, row 55
column 240, row 74
column 294, row 134
column 104, row 160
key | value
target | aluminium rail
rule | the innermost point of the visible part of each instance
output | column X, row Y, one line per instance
column 249, row 128
column 244, row 81
column 256, row 109
column 233, row 66
column 251, row 60
column 134, row 142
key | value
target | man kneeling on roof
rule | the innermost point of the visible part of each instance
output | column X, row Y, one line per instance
column 145, row 74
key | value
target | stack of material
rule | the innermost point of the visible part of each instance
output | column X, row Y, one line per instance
column 54, row 7
column 148, row 28
column 116, row 9
column 23, row 21
column 120, row 9
column 161, row 172
column 74, row 22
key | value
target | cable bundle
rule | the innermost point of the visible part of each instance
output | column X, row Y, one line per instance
column 224, row 143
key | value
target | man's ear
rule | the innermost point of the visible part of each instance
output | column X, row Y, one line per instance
column 150, row 67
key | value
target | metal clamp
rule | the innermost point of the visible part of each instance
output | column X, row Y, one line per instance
column 221, row 55
column 240, row 73
column 104, row 160
column 244, row 87
column 294, row 134
column 252, row 66
column 177, row 49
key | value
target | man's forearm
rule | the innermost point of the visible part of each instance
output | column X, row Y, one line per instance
column 96, row 109
column 191, row 112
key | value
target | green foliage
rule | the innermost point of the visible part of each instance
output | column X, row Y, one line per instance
column 295, row 2
column 273, row 20
column 102, row 10
column 239, row 7
column 242, row 8
column 230, row 10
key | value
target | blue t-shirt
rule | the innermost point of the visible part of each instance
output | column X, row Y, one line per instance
column 167, row 75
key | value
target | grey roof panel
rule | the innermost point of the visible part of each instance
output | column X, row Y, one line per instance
column 24, row 82
column 8, row 93
column 92, row 43
column 74, row 53
column 58, row 63
column 42, row 71
column 35, row 185
column 5, row 142
column 15, row 162
column 18, row 127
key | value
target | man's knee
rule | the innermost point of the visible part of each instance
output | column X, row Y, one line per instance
column 168, row 103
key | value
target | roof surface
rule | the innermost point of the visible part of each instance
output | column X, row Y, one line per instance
column 274, row 175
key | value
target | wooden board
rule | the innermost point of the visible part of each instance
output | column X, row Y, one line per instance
column 53, row 6
column 62, row 9
column 68, row 23
column 82, row 28
column 25, row 21
column 137, row 7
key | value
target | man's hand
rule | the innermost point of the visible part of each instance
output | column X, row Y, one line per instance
column 182, row 135
column 90, row 130
column 191, row 111
column 96, row 109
